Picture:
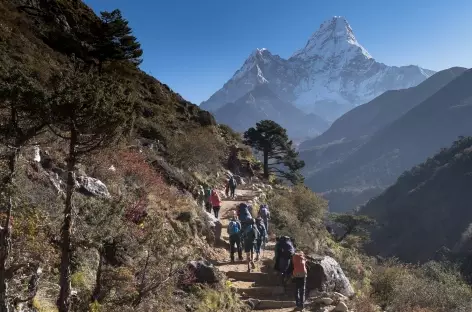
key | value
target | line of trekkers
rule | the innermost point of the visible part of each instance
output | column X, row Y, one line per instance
column 212, row 199
column 252, row 235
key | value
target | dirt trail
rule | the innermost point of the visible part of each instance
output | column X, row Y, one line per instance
column 260, row 287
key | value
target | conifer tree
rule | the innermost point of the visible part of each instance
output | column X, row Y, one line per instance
column 88, row 111
column 272, row 140
column 115, row 41
column 21, row 101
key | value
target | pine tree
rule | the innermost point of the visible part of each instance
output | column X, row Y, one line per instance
column 88, row 111
column 115, row 41
column 21, row 101
column 272, row 140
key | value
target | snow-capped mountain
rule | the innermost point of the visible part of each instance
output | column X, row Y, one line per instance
column 330, row 75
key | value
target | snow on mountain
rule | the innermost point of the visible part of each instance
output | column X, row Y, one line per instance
column 329, row 76
column 334, row 38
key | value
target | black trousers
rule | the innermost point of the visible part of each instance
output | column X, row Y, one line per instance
column 235, row 245
column 216, row 210
column 300, row 285
column 232, row 190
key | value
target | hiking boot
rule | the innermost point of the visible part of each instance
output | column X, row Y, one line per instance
column 257, row 257
column 253, row 265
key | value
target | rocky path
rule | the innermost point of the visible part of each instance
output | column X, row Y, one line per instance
column 260, row 287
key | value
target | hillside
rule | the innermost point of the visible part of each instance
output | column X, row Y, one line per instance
column 366, row 119
column 261, row 104
column 405, row 142
column 427, row 208
column 115, row 223
column 356, row 127
column 332, row 74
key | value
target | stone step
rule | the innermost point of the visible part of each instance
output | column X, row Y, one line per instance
column 261, row 292
column 256, row 304
column 255, row 277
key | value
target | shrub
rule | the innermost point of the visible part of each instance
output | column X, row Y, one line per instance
column 432, row 287
column 298, row 212
column 198, row 150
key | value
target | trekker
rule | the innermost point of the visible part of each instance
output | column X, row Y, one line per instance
column 264, row 213
column 208, row 205
column 244, row 215
column 262, row 239
column 284, row 251
column 250, row 236
column 234, row 232
column 215, row 202
column 232, row 186
column 299, row 278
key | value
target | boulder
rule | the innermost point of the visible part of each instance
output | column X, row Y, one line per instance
column 325, row 274
column 341, row 307
column 324, row 301
column 204, row 272
column 92, row 186
column 36, row 154
column 215, row 225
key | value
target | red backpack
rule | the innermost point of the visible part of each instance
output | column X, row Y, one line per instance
column 299, row 265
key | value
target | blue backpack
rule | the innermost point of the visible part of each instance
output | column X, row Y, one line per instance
column 244, row 214
column 233, row 228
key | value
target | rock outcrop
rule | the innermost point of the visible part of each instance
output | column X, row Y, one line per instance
column 325, row 274
column 204, row 272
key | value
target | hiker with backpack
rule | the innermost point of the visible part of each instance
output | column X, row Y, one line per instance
column 215, row 202
column 208, row 205
column 284, row 250
column 250, row 237
column 262, row 239
column 299, row 274
column 265, row 215
column 234, row 232
column 232, row 186
column 244, row 214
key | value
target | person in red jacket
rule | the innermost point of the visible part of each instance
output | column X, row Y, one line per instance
column 299, row 278
column 215, row 202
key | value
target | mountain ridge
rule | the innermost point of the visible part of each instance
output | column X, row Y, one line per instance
column 260, row 104
column 330, row 75
column 408, row 140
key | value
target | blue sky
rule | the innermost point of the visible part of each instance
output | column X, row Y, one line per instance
column 195, row 46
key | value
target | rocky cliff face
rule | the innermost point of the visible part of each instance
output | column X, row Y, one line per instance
column 330, row 75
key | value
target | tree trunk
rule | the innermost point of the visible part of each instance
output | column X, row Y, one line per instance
column 266, row 163
column 63, row 303
column 5, row 239
column 98, row 281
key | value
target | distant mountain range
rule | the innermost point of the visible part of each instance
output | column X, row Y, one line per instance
column 365, row 150
column 332, row 74
column 428, row 208
column 261, row 103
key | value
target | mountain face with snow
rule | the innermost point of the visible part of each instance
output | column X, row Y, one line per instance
column 332, row 74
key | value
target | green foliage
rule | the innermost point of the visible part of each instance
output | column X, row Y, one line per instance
column 353, row 225
column 200, row 149
column 115, row 41
column 272, row 140
column 433, row 287
column 95, row 108
column 426, row 209
column 298, row 212
column 215, row 300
